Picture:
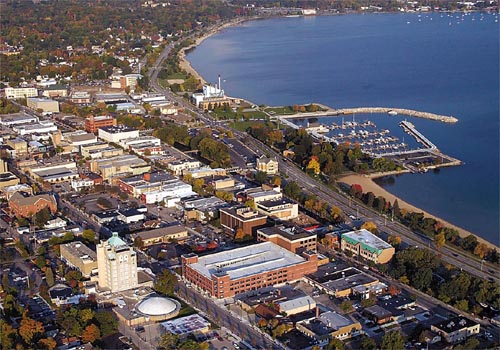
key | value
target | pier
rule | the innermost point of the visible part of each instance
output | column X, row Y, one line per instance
column 366, row 110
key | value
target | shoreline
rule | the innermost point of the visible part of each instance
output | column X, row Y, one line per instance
column 368, row 185
column 365, row 181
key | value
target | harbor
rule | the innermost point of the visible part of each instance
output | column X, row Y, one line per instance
column 416, row 153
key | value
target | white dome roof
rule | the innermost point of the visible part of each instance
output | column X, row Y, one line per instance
column 156, row 306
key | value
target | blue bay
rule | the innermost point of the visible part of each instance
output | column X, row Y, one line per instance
column 433, row 62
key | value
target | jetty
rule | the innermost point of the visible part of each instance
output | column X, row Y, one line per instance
column 364, row 110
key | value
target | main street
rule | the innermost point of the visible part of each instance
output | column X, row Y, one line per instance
column 456, row 257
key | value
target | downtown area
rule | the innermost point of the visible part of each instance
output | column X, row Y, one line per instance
column 142, row 207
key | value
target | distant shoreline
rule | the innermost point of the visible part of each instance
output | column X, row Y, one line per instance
column 366, row 182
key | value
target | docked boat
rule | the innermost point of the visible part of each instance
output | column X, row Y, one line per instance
column 392, row 113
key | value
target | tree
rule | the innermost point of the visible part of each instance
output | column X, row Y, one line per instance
column 336, row 213
column 260, row 177
column 335, row 344
column 138, row 242
column 169, row 340
column 395, row 241
column 392, row 341
column 367, row 343
column 314, row 165
column 42, row 217
column 395, row 209
column 91, row 333
column 85, row 315
column 30, row 329
column 89, row 235
column 49, row 276
column 165, row 283
column 370, row 226
column 440, row 240
column 47, row 343
column 8, row 335
column 346, row 306
column 292, row 190
column 106, row 322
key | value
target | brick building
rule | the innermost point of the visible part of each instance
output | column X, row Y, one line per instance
column 26, row 206
column 78, row 255
column 247, row 219
column 240, row 270
column 293, row 239
column 92, row 124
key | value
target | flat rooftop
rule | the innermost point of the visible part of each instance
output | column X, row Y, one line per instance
column 367, row 239
column 115, row 129
column 186, row 325
column 290, row 233
column 247, row 261
column 80, row 250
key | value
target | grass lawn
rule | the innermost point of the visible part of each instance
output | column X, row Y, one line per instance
column 177, row 76
column 280, row 110
column 255, row 115
column 243, row 125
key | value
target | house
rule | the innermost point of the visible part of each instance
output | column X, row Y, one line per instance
column 55, row 223
column 24, row 206
column 267, row 165
column 329, row 325
column 456, row 329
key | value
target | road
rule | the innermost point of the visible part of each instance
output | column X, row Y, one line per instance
column 455, row 257
column 225, row 318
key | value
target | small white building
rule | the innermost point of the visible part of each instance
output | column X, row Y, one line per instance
column 129, row 216
column 180, row 166
column 15, row 93
column 55, row 223
column 117, row 133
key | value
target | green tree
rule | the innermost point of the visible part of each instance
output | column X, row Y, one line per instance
column 292, row 190
column 260, row 177
column 89, row 235
column 169, row 340
column 8, row 335
column 106, row 322
column 440, row 240
column 165, row 283
column 346, row 306
column 49, row 276
column 335, row 344
column 392, row 341
column 367, row 343
column 42, row 217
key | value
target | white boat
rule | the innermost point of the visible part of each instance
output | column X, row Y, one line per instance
column 392, row 113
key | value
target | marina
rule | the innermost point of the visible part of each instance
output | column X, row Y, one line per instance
column 416, row 154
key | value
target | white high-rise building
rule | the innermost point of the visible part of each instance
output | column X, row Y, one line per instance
column 117, row 265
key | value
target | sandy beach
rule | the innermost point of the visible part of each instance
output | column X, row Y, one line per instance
column 368, row 185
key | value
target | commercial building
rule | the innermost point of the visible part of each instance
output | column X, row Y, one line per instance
column 42, row 127
column 329, row 325
column 117, row 133
column 57, row 172
column 15, row 93
column 267, row 165
column 293, row 239
column 211, row 97
column 283, row 209
column 117, row 265
column 79, row 256
column 94, row 123
column 341, row 281
column 162, row 235
column 202, row 209
column 456, row 329
column 23, row 205
column 17, row 118
column 297, row 305
column 129, row 80
column 78, row 139
column 55, row 91
column 129, row 216
column 99, row 150
column 19, row 146
column 243, row 218
column 236, row 271
column 45, row 104
column 7, row 179
column 178, row 167
column 80, row 97
column 198, row 173
column 184, row 326
column 10, row 190
column 119, row 166
column 365, row 244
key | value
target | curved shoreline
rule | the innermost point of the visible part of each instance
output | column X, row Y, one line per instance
column 184, row 63
column 368, row 185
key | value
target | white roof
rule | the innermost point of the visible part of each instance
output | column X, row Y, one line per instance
column 186, row 325
column 247, row 261
column 300, row 302
column 156, row 306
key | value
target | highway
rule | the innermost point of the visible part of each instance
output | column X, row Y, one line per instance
column 456, row 257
